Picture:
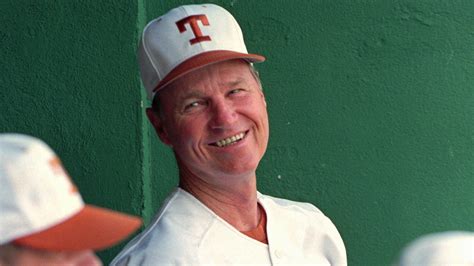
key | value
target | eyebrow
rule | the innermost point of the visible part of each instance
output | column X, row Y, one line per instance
column 233, row 83
column 192, row 94
column 197, row 94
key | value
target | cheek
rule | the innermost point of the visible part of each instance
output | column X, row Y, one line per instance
column 187, row 132
column 260, row 111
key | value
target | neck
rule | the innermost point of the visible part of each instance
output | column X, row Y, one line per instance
column 235, row 202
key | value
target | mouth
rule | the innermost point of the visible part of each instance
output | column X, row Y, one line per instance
column 230, row 140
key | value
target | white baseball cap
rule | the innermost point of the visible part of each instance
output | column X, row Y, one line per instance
column 186, row 38
column 444, row 248
column 41, row 208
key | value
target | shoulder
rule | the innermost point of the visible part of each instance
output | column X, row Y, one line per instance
column 317, row 232
column 303, row 210
column 158, row 247
column 173, row 237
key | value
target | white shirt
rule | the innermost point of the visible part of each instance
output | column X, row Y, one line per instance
column 186, row 232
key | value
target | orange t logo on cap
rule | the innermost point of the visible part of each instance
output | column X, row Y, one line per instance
column 193, row 22
column 58, row 169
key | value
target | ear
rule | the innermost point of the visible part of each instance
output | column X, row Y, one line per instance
column 157, row 123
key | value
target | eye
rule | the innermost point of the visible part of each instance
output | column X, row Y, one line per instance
column 236, row 91
column 192, row 106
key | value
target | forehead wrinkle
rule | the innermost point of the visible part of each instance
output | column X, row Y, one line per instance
column 192, row 91
column 232, row 83
column 190, row 94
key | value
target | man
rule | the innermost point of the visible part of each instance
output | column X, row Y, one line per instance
column 43, row 220
column 208, row 106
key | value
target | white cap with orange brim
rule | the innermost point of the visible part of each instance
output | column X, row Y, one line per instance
column 186, row 38
column 41, row 208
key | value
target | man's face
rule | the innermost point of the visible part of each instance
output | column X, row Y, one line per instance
column 215, row 119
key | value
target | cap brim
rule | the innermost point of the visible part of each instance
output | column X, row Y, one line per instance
column 202, row 60
column 92, row 228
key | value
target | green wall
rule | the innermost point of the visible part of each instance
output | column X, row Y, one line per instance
column 371, row 107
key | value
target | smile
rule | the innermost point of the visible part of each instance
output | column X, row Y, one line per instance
column 230, row 140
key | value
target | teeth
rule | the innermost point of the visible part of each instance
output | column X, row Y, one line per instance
column 230, row 140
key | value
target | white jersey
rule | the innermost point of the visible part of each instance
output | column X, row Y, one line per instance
column 186, row 232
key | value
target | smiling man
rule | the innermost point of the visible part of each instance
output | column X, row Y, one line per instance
column 209, row 107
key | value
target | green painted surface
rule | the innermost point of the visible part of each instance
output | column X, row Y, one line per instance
column 371, row 108
column 68, row 76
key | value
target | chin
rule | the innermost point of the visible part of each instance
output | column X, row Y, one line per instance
column 240, row 170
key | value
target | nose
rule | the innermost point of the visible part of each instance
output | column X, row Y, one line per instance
column 223, row 114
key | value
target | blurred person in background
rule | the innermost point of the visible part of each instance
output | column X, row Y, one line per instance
column 43, row 219
column 440, row 249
